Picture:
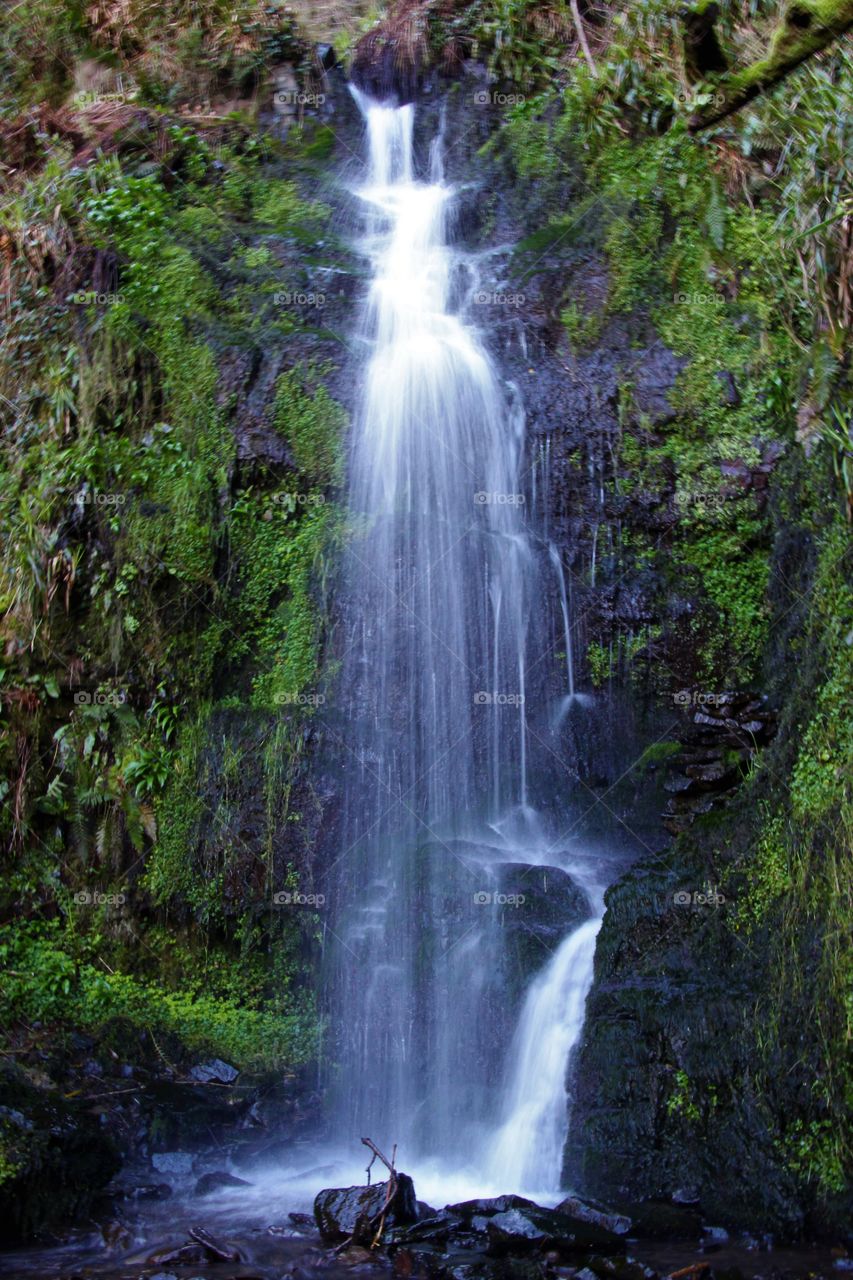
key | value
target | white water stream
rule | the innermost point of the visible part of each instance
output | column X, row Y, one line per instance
column 443, row 602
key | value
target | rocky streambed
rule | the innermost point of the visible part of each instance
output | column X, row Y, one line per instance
column 218, row 1226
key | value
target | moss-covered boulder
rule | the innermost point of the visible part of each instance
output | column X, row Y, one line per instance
column 55, row 1158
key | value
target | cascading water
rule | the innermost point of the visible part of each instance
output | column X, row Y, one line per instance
column 443, row 657
column 527, row 1150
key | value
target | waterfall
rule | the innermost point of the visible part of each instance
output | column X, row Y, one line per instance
column 442, row 658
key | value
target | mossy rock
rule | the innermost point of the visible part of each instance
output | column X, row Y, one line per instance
column 54, row 1159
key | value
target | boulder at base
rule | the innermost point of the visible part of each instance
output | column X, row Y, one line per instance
column 518, row 1230
column 345, row 1212
column 56, row 1158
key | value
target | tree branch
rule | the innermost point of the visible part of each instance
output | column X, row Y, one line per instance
column 806, row 27
column 581, row 34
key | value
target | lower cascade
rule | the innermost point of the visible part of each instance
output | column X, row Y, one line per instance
column 450, row 838
column 528, row 1148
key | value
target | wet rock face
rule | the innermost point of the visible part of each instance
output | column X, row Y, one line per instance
column 655, row 1107
column 724, row 734
column 552, row 905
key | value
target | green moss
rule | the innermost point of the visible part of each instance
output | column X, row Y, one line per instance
column 582, row 327
column 631, row 243
column 277, row 204
column 770, row 875
column 312, row 423
column 598, row 662
column 681, row 1100
column 658, row 753
column 795, row 899
column 735, row 580
column 276, row 557
column 821, row 783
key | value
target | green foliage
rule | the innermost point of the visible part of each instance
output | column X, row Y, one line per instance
column 598, row 661
column 45, row 982
column 734, row 573
column 312, row 423
column 134, row 549
column 582, row 327
column 276, row 557
column 821, row 785
column 517, row 38
column 769, row 875
column 681, row 1100
column 171, row 870
column 812, row 1151
column 797, row 891
column 277, row 205
column 38, row 43
column 176, row 51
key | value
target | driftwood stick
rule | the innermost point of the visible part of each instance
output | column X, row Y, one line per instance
column 376, row 1152
column 390, row 1192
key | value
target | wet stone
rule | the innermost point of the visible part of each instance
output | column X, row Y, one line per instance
column 178, row 1163
column 497, row 1204
column 349, row 1211
column 214, row 1072
column 520, row 1229
column 596, row 1215
column 216, row 1179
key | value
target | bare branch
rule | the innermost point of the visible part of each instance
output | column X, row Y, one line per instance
column 584, row 43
